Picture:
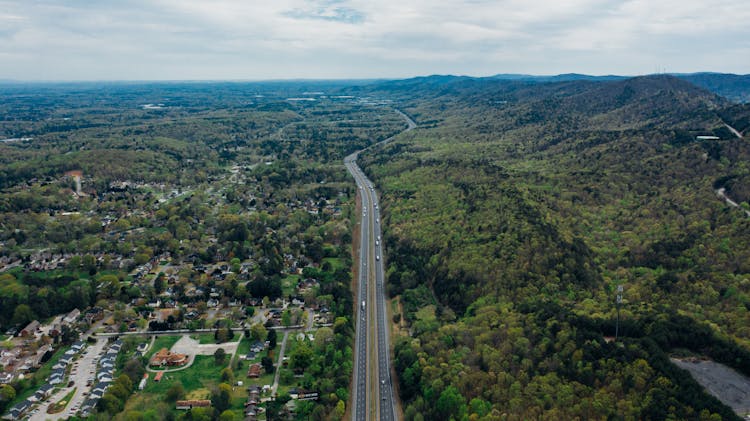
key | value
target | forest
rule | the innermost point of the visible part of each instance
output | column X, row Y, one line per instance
column 514, row 212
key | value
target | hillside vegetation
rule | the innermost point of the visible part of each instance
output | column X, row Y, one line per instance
column 514, row 212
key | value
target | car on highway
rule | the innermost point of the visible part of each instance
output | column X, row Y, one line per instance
column 377, row 257
column 377, row 243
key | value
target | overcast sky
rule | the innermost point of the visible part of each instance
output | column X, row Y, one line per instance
column 273, row 39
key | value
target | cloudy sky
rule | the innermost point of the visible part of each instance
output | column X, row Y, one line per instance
column 272, row 39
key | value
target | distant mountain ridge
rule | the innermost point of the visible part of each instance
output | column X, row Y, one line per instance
column 734, row 87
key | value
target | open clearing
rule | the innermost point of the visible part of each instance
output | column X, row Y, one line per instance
column 721, row 381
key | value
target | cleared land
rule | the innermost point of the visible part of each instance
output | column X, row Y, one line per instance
column 721, row 381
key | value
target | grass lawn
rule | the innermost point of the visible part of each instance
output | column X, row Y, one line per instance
column 289, row 284
column 204, row 338
column 244, row 347
column 60, row 406
column 197, row 379
column 335, row 262
column 162, row 342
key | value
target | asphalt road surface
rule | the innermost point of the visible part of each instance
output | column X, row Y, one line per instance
column 373, row 396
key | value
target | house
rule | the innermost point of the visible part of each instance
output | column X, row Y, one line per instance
column 250, row 356
column 72, row 316
column 94, row 314
column 36, row 359
column 17, row 411
column 166, row 357
column 55, row 330
column 304, row 395
column 254, row 371
column 6, row 378
column 158, row 376
column 57, row 372
column 30, row 329
column 251, row 412
column 77, row 346
column 257, row 347
column 66, row 359
column 104, row 377
column 100, row 388
column 44, row 391
column 193, row 403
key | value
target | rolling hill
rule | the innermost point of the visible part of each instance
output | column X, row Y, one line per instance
column 516, row 210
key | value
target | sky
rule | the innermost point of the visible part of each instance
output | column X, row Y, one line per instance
column 324, row 39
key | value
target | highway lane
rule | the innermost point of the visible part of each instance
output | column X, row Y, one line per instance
column 360, row 402
column 372, row 346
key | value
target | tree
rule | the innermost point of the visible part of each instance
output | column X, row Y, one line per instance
column 222, row 397
column 267, row 363
column 450, row 404
column 7, row 393
column 258, row 332
column 223, row 334
column 227, row 375
column 228, row 416
column 286, row 318
column 159, row 284
column 271, row 337
column 134, row 368
column 340, row 409
column 323, row 336
column 301, row 356
column 22, row 315
column 175, row 392
column 220, row 356
column 89, row 264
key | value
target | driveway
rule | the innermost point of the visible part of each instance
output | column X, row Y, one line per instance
column 192, row 347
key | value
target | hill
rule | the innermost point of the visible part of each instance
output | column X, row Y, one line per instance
column 516, row 210
column 734, row 87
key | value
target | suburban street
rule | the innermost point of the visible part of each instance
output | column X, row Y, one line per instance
column 373, row 396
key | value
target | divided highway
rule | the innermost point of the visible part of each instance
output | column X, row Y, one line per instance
column 373, row 396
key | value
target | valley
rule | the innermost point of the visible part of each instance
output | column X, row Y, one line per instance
column 211, row 237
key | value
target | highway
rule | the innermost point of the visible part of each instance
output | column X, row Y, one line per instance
column 373, row 395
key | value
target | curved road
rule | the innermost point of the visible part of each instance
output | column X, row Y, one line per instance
column 373, row 397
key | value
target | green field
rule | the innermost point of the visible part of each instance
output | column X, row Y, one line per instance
column 289, row 284
column 198, row 380
column 335, row 262
column 204, row 338
column 202, row 374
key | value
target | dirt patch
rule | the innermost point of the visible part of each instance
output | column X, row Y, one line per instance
column 727, row 385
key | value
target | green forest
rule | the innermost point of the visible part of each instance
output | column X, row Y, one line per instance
column 512, row 216
column 514, row 212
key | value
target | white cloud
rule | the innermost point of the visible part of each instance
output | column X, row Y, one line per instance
column 172, row 39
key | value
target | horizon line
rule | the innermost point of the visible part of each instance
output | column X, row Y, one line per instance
column 344, row 79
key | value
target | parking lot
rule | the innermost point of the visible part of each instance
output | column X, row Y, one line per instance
column 83, row 370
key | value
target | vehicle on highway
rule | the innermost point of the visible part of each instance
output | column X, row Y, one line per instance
column 377, row 243
column 377, row 257
column 363, row 305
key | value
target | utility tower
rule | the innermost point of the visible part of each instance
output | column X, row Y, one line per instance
column 617, row 305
